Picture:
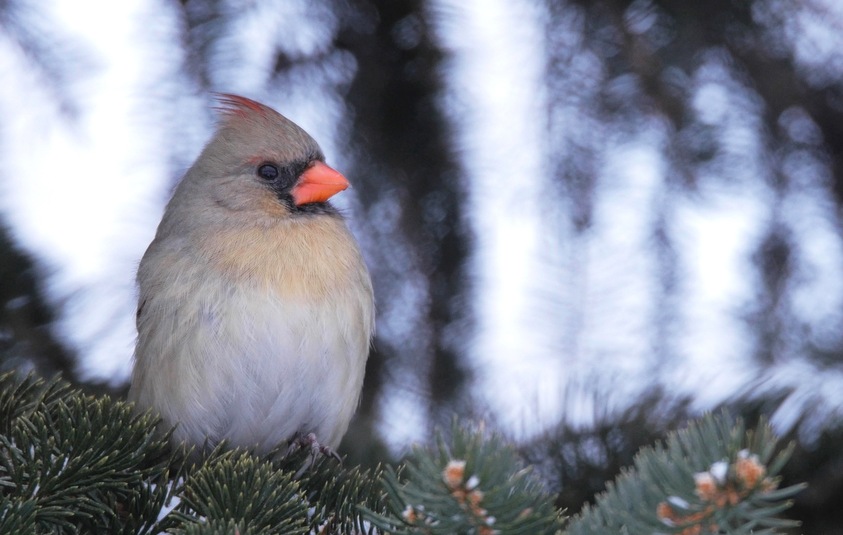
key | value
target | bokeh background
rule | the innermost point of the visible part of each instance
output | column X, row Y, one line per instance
column 585, row 220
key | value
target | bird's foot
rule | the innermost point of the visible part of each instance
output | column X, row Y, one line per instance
column 308, row 441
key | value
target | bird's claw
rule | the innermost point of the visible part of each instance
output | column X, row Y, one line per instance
column 309, row 441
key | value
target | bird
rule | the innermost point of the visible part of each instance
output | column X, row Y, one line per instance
column 255, row 306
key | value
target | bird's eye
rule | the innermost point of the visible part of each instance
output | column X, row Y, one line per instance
column 268, row 171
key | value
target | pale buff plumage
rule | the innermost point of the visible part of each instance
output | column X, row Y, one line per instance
column 255, row 316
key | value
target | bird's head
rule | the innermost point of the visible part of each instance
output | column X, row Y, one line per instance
column 261, row 162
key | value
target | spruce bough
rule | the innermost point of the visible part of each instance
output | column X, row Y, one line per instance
column 74, row 463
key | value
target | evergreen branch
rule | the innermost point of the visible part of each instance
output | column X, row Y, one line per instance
column 72, row 463
column 475, row 484
column 17, row 516
column 713, row 477
column 235, row 489
column 72, row 458
column 337, row 494
column 23, row 396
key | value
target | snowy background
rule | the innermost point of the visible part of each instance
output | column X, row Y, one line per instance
column 610, row 243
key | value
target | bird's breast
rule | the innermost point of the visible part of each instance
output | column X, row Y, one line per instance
column 311, row 259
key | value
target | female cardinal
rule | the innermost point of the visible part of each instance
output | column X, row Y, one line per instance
column 256, row 310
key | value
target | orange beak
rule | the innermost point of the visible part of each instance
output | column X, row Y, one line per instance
column 318, row 183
